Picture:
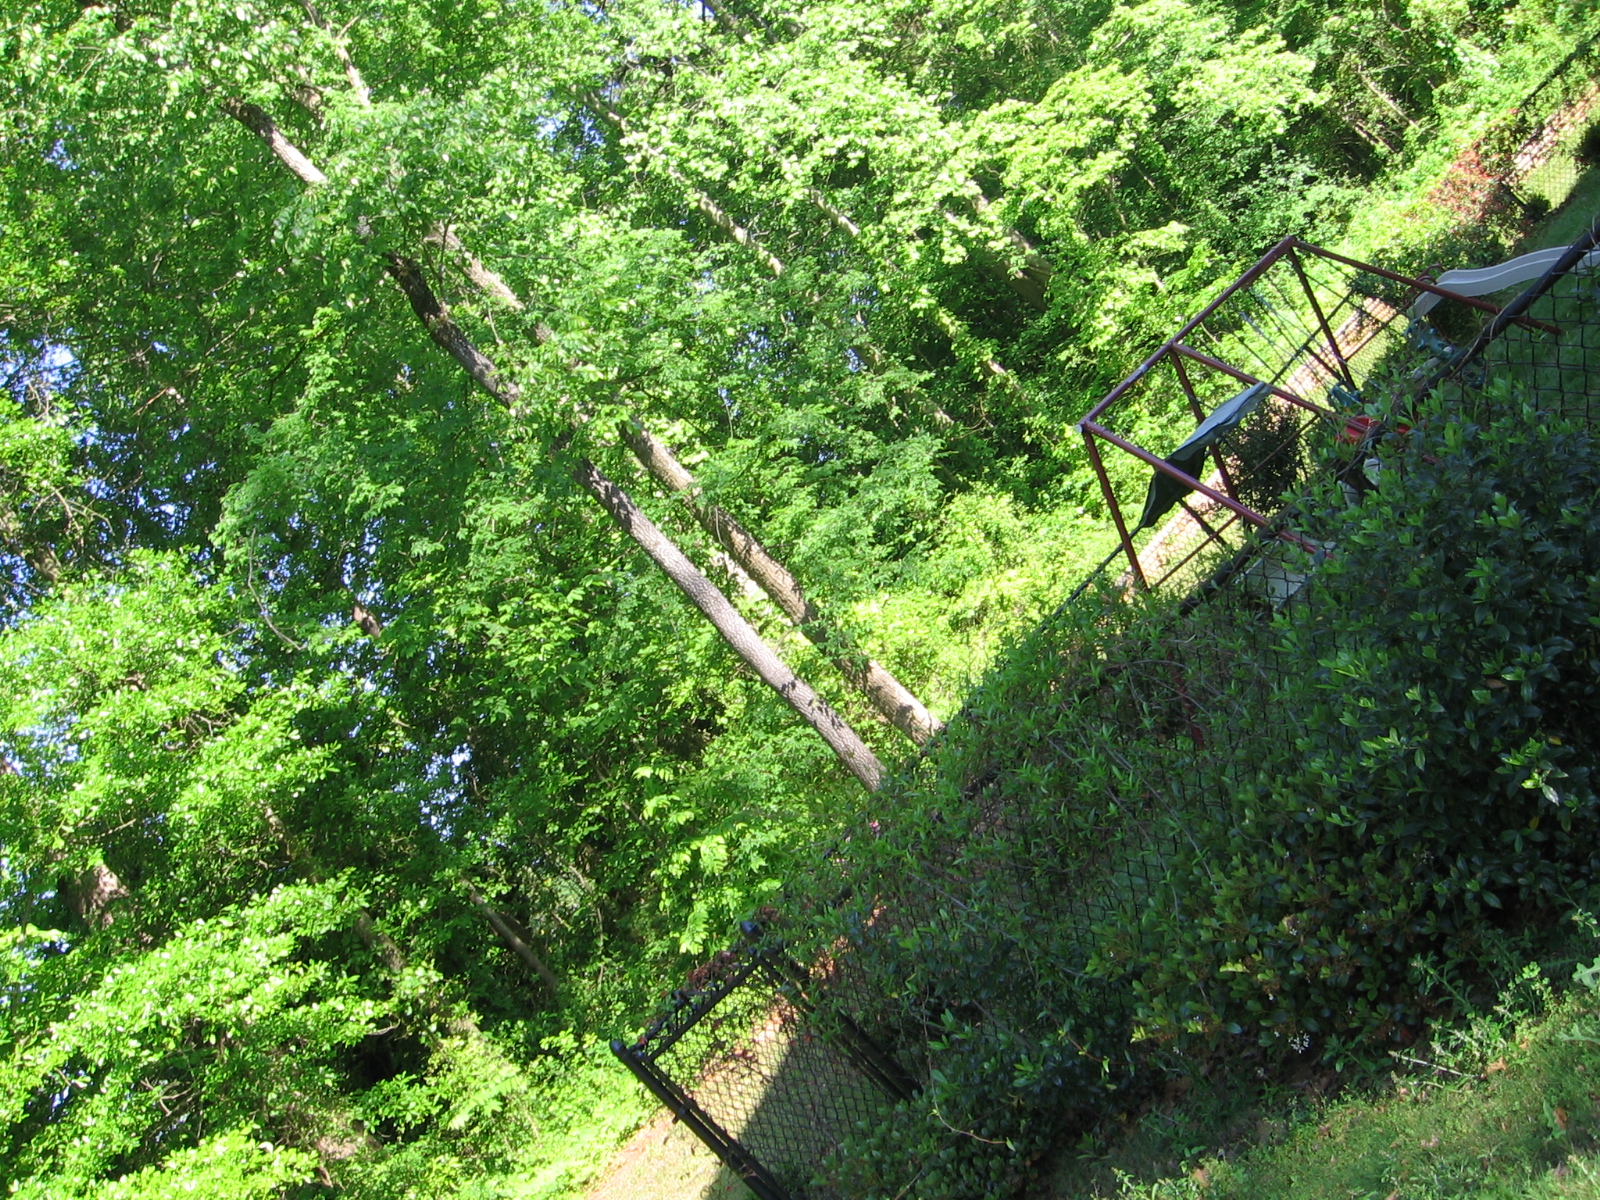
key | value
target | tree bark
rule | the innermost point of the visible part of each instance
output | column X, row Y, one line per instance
column 358, row 86
column 874, row 681
column 91, row 894
column 255, row 119
column 435, row 318
column 735, row 630
column 509, row 936
column 886, row 693
column 1031, row 282
column 700, row 591
column 482, row 277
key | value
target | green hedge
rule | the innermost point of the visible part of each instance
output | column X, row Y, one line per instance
column 1442, row 679
column 1162, row 824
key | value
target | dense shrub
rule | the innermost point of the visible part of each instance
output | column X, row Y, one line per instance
column 1457, row 323
column 1432, row 781
column 966, row 915
column 1163, row 821
column 1266, row 456
column 1588, row 151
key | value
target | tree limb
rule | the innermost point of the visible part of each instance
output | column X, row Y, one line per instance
column 874, row 681
column 255, row 119
column 509, row 936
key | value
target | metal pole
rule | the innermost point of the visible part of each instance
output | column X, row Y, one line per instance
column 1166, row 468
column 1327, row 331
column 733, row 1155
column 1244, row 281
column 1111, row 500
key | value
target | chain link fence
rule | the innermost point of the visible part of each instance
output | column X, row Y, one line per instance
column 787, row 1070
column 763, row 1060
column 1528, row 161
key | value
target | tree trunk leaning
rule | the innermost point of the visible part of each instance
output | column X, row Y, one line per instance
column 735, row 630
column 874, row 681
column 701, row 592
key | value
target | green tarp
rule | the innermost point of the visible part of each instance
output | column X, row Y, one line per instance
column 1165, row 491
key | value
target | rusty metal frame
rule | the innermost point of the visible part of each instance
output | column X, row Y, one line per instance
column 1176, row 351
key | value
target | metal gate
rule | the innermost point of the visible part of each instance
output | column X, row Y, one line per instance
column 766, row 1067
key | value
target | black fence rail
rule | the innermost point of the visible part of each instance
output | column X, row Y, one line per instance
column 1554, row 358
column 763, row 1060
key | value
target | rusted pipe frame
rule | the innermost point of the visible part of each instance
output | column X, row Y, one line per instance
column 1426, row 286
column 1244, row 281
column 1111, row 501
column 1327, row 330
column 1166, row 468
column 1217, row 364
column 1255, row 272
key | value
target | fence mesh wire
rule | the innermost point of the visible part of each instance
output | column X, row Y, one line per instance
column 764, row 1059
column 1527, row 162
column 1559, row 372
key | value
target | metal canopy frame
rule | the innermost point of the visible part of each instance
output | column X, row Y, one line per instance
column 1324, row 356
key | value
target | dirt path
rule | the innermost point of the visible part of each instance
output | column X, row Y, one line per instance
column 664, row 1161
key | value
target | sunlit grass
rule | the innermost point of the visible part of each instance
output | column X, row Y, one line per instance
column 1507, row 1105
column 1581, row 207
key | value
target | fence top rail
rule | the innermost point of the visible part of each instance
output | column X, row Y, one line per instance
column 688, row 1007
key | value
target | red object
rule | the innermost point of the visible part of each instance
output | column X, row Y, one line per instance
column 1359, row 427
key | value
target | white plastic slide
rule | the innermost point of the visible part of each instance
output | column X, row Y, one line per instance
column 1478, row 281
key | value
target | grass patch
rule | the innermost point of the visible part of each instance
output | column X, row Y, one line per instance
column 1570, row 220
column 1507, row 1105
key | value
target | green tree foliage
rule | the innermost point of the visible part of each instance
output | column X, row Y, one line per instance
column 359, row 771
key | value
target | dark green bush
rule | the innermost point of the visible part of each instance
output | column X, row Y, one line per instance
column 1266, row 457
column 1433, row 781
column 969, row 921
column 1587, row 153
column 1456, row 322
column 1161, row 822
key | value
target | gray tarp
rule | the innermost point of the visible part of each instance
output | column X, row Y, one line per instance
column 1165, row 491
